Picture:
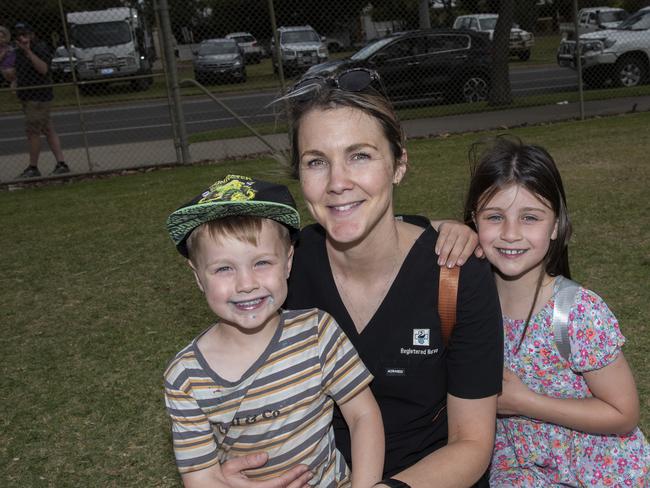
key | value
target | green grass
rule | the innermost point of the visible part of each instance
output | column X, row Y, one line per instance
column 95, row 299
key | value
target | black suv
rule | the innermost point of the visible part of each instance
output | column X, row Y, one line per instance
column 424, row 65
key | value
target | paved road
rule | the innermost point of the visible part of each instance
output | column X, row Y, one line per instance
column 150, row 121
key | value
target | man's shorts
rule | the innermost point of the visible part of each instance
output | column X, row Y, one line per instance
column 37, row 116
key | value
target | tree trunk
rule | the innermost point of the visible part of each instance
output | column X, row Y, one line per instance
column 500, row 93
column 423, row 14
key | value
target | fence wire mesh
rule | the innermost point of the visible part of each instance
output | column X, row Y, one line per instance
column 121, row 74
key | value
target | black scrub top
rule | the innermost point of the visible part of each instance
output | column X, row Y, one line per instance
column 402, row 344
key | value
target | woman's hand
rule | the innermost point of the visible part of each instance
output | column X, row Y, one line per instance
column 232, row 471
column 513, row 393
column 231, row 475
column 456, row 243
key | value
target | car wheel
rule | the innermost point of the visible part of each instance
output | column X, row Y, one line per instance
column 524, row 55
column 630, row 71
column 475, row 88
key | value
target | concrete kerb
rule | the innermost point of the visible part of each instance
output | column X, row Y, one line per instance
column 129, row 156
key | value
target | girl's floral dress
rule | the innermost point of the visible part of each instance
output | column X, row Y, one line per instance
column 531, row 453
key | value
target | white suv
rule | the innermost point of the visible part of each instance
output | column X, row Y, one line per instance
column 620, row 56
column 253, row 52
column 300, row 48
column 521, row 41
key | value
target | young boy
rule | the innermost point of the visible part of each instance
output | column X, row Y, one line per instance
column 262, row 379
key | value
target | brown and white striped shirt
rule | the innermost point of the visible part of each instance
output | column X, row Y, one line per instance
column 282, row 405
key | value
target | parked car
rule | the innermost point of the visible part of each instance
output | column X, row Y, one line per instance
column 62, row 65
column 521, row 41
column 424, row 65
column 619, row 56
column 334, row 45
column 593, row 19
column 219, row 59
column 253, row 51
column 300, row 48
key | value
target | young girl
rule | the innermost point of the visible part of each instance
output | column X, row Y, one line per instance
column 566, row 419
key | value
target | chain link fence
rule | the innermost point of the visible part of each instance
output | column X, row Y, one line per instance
column 144, row 82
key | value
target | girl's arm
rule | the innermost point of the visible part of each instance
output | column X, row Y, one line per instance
column 456, row 242
column 363, row 417
column 613, row 409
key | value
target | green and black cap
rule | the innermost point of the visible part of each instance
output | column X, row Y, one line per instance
column 234, row 195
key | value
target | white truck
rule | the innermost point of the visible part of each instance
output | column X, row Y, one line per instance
column 619, row 56
column 520, row 43
column 109, row 44
column 593, row 19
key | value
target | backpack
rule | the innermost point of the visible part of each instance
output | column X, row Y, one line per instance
column 565, row 295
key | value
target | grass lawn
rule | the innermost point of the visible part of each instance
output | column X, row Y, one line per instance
column 96, row 300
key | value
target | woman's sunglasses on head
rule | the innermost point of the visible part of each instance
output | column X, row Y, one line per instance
column 352, row 80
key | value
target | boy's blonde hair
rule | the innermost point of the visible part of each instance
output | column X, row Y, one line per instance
column 245, row 228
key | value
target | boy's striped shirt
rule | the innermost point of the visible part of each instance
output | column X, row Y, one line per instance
column 282, row 405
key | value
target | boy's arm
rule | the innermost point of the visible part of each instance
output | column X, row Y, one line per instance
column 363, row 417
column 231, row 475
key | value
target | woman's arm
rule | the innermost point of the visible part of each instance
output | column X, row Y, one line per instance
column 363, row 417
column 231, row 475
column 456, row 243
column 467, row 454
column 613, row 409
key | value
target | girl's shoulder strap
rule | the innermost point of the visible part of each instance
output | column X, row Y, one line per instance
column 565, row 296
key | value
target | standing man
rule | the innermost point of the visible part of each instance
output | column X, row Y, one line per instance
column 33, row 69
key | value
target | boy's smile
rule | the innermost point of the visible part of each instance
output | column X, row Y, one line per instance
column 244, row 284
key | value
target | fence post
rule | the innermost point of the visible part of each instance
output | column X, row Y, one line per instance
column 82, row 119
column 170, row 63
column 581, row 91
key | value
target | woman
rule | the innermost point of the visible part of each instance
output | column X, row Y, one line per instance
column 377, row 275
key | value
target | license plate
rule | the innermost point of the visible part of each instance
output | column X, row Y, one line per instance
column 107, row 71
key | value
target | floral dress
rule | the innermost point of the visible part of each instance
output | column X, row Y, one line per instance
column 532, row 453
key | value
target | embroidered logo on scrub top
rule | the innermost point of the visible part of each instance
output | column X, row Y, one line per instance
column 421, row 337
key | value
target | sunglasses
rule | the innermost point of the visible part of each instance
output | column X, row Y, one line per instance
column 352, row 80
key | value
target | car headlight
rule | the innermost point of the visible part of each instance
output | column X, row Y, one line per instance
column 592, row 47
column 322, row 52
column 289, row 53
column 237, row 63
column 609, row 43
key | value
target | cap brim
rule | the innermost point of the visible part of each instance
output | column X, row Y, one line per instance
column 183, row 221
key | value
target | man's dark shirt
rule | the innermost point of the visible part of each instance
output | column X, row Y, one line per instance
column 26, row 74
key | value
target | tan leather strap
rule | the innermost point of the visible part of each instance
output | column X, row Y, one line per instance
column 447, row 297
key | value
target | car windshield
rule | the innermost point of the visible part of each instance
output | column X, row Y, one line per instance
column 488, row 24
column 367, row 51
column 638, row 21
column 101, row 34
column 242, row 39
column 613, row 16
column 299, row 36
column 218, row 48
